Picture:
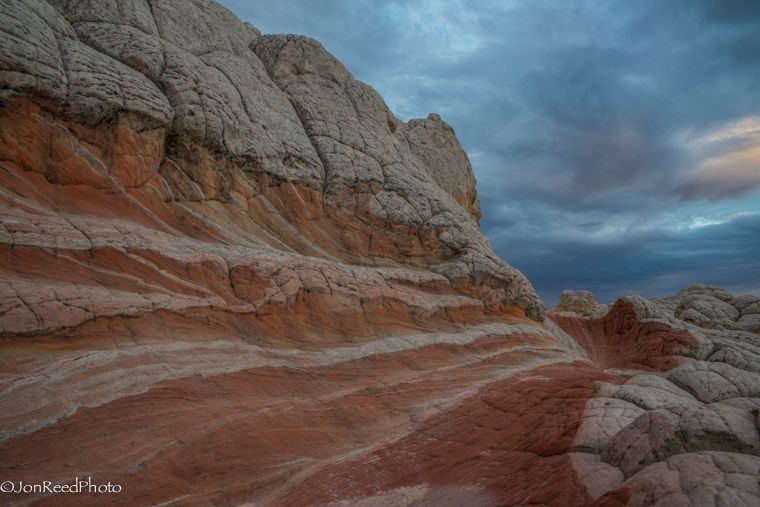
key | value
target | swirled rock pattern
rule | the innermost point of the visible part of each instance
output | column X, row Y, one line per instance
column 230, row 275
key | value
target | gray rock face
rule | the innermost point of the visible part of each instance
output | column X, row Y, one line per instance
column 713, row 307
column 99, row 88
column 274, row 107
column 706, row 311
column 705, row 290
column 651, row 391
column 580, row 302
column 437, row 148
column 749, row 308
column 715, row 381
column 714, row 479
column 664, row 432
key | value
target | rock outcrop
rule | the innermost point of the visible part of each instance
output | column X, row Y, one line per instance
column 682, row 429
column 580, row 302
column 231, row 275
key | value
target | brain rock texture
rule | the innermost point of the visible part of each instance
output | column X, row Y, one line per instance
column 230, row 275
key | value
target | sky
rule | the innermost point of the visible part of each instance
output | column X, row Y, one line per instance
column 616, row 144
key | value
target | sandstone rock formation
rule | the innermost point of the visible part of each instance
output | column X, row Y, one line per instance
column 688, row 435
column 580, row 302
column 230, row 275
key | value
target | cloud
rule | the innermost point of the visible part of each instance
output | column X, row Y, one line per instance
column 735, row 172
column 727, row 161
column 649, row 263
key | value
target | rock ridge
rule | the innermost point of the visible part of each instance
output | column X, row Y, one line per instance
column 224, row 114
column 230, row 276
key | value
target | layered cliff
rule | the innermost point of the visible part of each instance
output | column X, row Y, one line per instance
column 230, row 275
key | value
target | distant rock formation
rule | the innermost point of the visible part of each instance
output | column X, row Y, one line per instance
column 230, row 275
column 578, row 302
column 713, row 307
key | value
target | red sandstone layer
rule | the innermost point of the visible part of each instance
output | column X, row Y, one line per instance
column 231, row 276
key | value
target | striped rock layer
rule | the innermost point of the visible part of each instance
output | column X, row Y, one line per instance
column 231, row 276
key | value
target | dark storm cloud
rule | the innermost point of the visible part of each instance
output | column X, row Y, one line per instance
column 596, row 128
column 647, row 263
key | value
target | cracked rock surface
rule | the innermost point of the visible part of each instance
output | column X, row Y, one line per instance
column 229, row 111
column 681, row 432
column 580, row 302
column 231, row 276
